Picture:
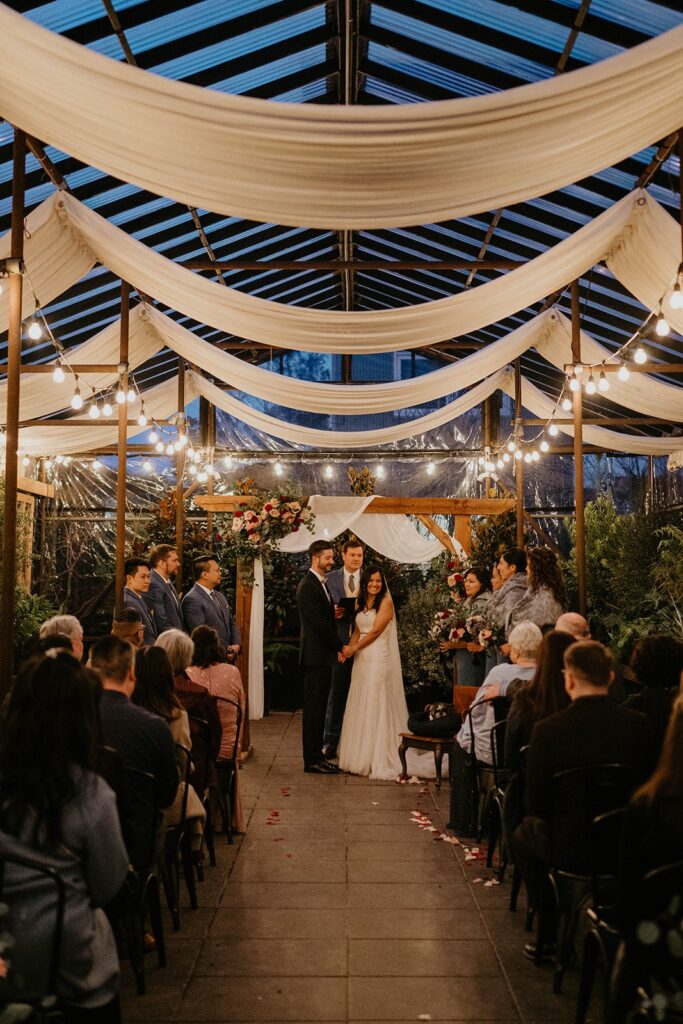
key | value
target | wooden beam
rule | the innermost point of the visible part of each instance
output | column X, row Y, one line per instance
column 611, row 421
column 76, row 367
column 180, row 485
column 80, row 421
column 438, row 532
column 386, row 505
column 9, row 539
column 578, row 454
column 519, row 463
column 36, row 487
column 352, row 266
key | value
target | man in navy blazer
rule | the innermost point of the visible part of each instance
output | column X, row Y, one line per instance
column 342, row 583
column 162, row 598
column 137, row 572
column 203, row 605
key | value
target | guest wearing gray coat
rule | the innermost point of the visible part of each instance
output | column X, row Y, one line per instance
column 545, row 598
column 512, row 571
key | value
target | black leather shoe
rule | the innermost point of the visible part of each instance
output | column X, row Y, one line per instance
column 333, row 769
column 547, row 951
column 321, row 769
column 329, row 752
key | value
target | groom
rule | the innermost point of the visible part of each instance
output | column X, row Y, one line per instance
column 318, row 652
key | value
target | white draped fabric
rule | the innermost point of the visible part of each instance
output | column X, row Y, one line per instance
column 299, row 164
column 161, row 401
column 256, row 621
column 637, row 238
column 347, row 439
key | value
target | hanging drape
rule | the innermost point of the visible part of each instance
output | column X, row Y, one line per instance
column 638, row 239
column 256, row 621
column 299, row 163
column 347, row 439
column 161, row 402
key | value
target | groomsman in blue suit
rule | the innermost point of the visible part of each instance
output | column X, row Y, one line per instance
column 137, row 572
column 203, row 605
column 162, row 598
column 342, row 583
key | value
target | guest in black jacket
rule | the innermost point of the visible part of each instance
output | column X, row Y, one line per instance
column 593, row 730
column 657, row 662
column 318, row 651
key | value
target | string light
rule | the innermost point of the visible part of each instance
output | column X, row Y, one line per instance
column 590, row 386
column 623, row 373
column 506, row 457
column 131, row 395
column 227, row 461
column 431, row 468
column 535, row 457
column 578, row 369
column 676, row 297
column 26, row 461
column 380, row 472
column 574, row 383
column 203, row 476
column 329, row 471
column 77, row 401
column 97, row 465
column 120, row 396
column 567, row 404
column 153, row 437
column 662, row 325
column 192, row 470
column 545, row 447
column 278, row 469
column 107, row 409
column 499, row 464
column 518, row 453
column 182, row 440
column 159, row 446
column 147, row 466
column 94, row 411
column 511, row 446
column 552, row 429
column 142, row 419
column 58, row 375
column 527, row 457
column 170, row 450
column 603, row 383
column 59, row 459
column 35, row 331
column 640, row 355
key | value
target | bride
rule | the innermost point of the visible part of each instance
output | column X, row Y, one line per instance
column 376, row 710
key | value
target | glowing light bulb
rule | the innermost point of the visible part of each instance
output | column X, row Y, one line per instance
column 97, row 465
column 481, row 460
column 58, row 375
column 506, row 457
column 676, row 297
column 120, row 396
column 662, row 326
column 153, row 437
column 142, row 420
column 578, row 369
column 328, row 471
column 35, row 331
column 67, row 460
column 202, row 476
column 278, row 469
column 553, row 430
column 182, row 440
column 574, row 383
column 381, row 472
column 59, row 459
column 170, row 450
column 527, row 457
column 431, row 469
column 567, row 404
column 77, row 401
column 535, row 457
column 499, row 464
column 511, row 446
column 25, row 461
column 623, row 372
column 159, row 446
column 176, row 446
column 131, row 396
column 94, row 411
column 640, row 355
column 603, row 383
column 518, row 454
column 147, row 466
column 545, row 447
column 107, row 409
column 48, row 463
column 591, row 386
column 193, row 470
column 227, row 461
column 489, row 466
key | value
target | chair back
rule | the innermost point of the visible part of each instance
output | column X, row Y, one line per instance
column 32, row 874
column 500, row 706
column 238, row 723
column 606, row 847
column 657, row 940
column 140, row 805
column 497, row 734
column 202, row 772
column 184, row 760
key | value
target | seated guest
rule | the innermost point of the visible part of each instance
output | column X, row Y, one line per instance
column 69, row 626
column 545, row 598
column 194, row 698
column 203, row 605
column 137, row 572
column 154, row 692
column 593, row 730
column 574, row 624
column 162, row 597
column 211, row 670
column 657, row 662
column 56, row 809
column 127, row 626
column 622, row 683
column 54, row 642
column 142, row 740
column 525, row 641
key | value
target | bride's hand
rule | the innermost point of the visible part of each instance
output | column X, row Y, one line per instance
column 348, row 651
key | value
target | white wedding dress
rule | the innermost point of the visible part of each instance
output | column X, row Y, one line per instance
column 376, row 710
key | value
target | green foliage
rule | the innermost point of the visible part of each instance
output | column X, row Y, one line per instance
column 634, row 574
column 276, row 655
column 30, row 611
column 491, row 535
column 420, row 656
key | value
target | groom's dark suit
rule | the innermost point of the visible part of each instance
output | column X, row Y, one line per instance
column 317, row 653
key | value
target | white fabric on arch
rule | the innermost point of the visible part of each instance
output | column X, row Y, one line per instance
column 348, row 439
column 297, row 164
column 332, row 517
column 161, row 401
column 256, row 700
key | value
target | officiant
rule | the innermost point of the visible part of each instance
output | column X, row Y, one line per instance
column 343, row 586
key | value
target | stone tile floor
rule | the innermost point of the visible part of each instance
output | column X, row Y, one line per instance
column 343, row 911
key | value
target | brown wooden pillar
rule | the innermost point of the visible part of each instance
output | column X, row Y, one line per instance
column 122, row 450
column 9, row 539
column 578, row 455
column 244, row 593
column 180, row 476
column 519, row 463
column 211, row 440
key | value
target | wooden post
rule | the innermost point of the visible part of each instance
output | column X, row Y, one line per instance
column 9, row 553
column 243, row 598
column 180, row 474
column 578, row 454
column 519, row 463
column 211, row 438
column 122, row 451
column 42, row 543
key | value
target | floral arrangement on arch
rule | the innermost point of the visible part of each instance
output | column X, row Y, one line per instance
column 262, row 519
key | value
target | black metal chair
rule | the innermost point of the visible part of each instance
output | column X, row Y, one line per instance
column 177, row 848
column 493, row 812
column 204, row 781
column 226, row 771
column 41, row 995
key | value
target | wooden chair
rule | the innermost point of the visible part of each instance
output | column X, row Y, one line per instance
column 439, row 745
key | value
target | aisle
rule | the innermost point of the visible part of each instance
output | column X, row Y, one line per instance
column 335, row 907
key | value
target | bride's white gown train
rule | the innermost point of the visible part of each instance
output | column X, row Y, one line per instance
column 376, row 710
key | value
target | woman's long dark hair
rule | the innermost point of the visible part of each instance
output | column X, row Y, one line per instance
column 545, row 694
column 367, row 573
column 482, row 574
column 207, row 648
column 516, row 557
column 49, row 730
column 667, row 781
column 545, row 572
column 154, row 683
